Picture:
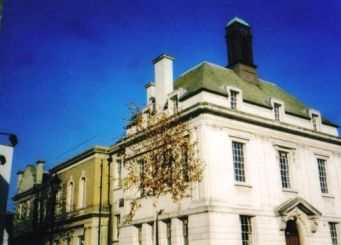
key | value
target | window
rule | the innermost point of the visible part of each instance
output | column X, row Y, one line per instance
column 142, row 186
column 139, row 234
column 70, row 198
column 121, row 202
column 119, row 173
column 238, row 161
column 185, row 230
column 323, row 175
column 175, row 102
column 117, row 227
column 284, row 169
column 82, row 192
column 314, row 119
column 233, row 100
column 277, row 111
column 333, row 233
column 152, row 234
column 168, row 232
column 246, row 229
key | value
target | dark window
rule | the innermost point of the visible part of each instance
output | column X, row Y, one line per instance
column 139, row 234
column 277, row 111
column 185, row 230
column 119, row 173
column 233, row 99
column 333, row 233
column 169, row 232
column 314, row 118
column 246, row 229
column 121, row 202
column 117, row 227
column 238, row 161
column 323, row 175
column 284, row 168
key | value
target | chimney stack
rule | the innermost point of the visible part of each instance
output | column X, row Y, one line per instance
column 163, row 72
column 239, row 49
column 150, row 87
column 39, row 171
column 19, row 178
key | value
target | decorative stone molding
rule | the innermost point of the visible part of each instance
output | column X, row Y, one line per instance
column 300, row 210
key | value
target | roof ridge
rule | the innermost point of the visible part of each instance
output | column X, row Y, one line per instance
column 191, row 69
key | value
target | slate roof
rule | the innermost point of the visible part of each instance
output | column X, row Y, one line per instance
column 214, row 78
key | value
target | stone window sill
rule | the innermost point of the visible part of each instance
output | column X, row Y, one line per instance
column 243, row 184
column 327, row 195
column 289, row 190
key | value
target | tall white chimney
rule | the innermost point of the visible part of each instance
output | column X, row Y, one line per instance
column 150, row 87
column 163, row 72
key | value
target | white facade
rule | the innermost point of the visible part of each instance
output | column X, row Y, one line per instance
column 272, row 167
column 217, row 204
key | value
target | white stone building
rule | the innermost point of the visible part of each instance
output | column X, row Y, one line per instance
column 273, row 165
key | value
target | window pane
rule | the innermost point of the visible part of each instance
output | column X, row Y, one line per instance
column 246, row 230
column 238, row 161
column 276, row 110
column 185, row 230
column 233, row 99
column 333, row 233
column 322, row 175
column 284, row 168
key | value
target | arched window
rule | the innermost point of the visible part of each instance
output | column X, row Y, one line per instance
column 82, row 193
column 70, row 198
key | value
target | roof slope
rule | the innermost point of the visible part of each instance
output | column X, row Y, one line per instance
column 213, row 78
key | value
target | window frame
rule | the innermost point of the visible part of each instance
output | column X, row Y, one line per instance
column 82, row 192
column 168, row 225
column 333, row 231
column 244, row 178
column 324, row 186
column 286, row 181
column 277, row 111
column 290, row 149
column 236, row 93
column 185, row 235
column 233, row 100
column 118, row 173
column 246, row 233
column 117, row 227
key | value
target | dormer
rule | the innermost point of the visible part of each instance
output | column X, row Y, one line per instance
column 234, row 97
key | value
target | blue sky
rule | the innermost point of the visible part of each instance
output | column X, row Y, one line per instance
column 69, row 68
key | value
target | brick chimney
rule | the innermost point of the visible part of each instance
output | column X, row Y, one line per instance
column 163, row 72
column 239, row 49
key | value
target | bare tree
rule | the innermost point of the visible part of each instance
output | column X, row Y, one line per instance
column 160, row 159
